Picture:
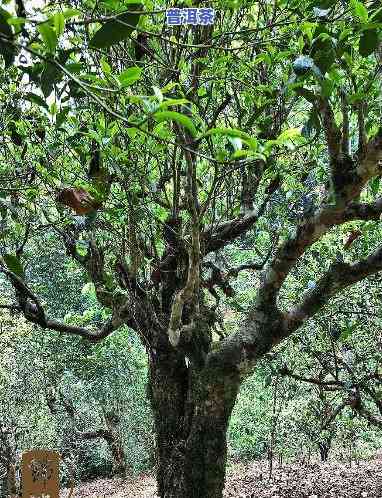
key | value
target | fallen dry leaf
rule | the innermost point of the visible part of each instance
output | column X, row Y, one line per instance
column 315, row 480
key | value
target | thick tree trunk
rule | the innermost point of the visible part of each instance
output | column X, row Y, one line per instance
column 191, row 410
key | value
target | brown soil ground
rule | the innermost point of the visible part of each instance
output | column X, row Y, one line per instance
column 329, row 480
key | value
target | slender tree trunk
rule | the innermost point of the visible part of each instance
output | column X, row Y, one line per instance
column 191, row 411
column 115, row 443
column 324, row 448
column 119, row 459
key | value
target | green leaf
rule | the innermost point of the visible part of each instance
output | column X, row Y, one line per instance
column 5, row 28
column 59, row 23
column 49, row 37
column 324, row 59
column 7, row 50
column 132, row 132
column 327, row 87
column 16, row 21
column 106, row 68
column 347, row 331
column 61, row 116
column 116, row 30
column 368, row 42
column 359, row 10
column 130, row 76
column 233, row 132
column 170, row 102
column 377, row 15
column 374, row 185
column 14, row 265
column 36, row 99
column 68, row 13
column 74, row 67
column 289, row 134
column 178, row 117
column 345, row 33
column 239, row 154
column 323, row 50
column 82, row 247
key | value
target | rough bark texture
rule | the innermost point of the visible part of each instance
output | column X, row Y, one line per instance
column 191, row 410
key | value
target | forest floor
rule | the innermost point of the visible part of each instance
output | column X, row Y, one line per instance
column 328, row 480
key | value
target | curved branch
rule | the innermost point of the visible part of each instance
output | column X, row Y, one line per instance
column 338, row 277
column 30, row 306
column 266, row 325
column 309, row 232
column 218, row 236
column 332, row 132
column 109, row 326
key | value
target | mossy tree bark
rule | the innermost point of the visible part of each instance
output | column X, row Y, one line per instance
column 191, row 408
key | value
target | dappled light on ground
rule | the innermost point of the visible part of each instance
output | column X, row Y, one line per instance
column 316, row 480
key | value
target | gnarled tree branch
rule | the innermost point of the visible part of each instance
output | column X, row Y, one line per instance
column 33, row 311
column 338, row 277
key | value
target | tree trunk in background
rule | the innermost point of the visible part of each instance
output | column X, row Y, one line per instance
column 119, row 461
column 324, row 448
column 11, row 480
column 115, row 443
column 191, row 409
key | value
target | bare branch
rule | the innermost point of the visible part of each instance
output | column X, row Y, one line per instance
column 190, row 291
column 218, row 236
column 309, row 232
column 363, row 211
column 97, row 434
column 227, row 99
column 30, row 306
column 345, row 124
column 362, row 138
column 332, row 132
column 20, row 249
column 309, row 380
